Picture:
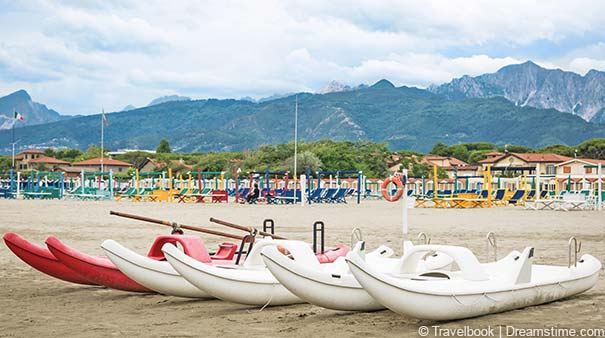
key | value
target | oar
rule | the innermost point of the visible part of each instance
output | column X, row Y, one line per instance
column 243, row 228
column 176, row 225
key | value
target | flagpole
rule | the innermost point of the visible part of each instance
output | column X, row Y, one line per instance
column 295, row 146
column 13, row 143
column 102, row 123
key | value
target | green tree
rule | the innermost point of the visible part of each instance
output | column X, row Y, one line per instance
column 304, row 159
column 92, row 152
column 475, row 156
column 163, row 147
column 439, row 149
column 560, row 149
column 458, row 151
column 513, row 148
column 5, row 163
column 594, row 148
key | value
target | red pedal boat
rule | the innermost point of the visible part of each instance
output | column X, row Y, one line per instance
column 100, row 270
column 41, row 259
column 97, row 269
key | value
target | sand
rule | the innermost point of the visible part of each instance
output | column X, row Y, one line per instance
column 35, row 305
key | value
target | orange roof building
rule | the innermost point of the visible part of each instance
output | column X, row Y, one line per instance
column 49, row 160
column 525, row 163
column 452, row 166
column 33, row 159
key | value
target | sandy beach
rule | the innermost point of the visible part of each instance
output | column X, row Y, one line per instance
column 35, row 305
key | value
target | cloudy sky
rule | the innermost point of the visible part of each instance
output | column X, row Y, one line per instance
column 77, row 56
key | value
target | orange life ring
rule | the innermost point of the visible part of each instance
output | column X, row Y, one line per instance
column 385, row 193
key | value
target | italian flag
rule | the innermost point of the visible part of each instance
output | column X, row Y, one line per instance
column 105, row 122
column 19, row 117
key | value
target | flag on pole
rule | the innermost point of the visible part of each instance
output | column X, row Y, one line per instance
column 104, row 118
column 19, row 117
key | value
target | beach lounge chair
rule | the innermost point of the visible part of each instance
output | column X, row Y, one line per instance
column 339, row 196
column 316, row 195
column 327, row 197
column 243, row 192
column 516, row 197
column 291, row 198
column 499, row 197
column 127, row 194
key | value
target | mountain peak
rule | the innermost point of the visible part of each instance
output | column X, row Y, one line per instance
column 594, row 72
column 334, row 87
column 525, row 66
column 530, row 63
column 34, row 113
column 21, row 93
column 383, row 84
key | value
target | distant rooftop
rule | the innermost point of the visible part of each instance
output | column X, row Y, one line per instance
column 32, row 151
column 48, row 160
column 530, row 158
column 106, row 161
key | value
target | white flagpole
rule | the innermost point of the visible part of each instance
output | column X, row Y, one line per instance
column 102, row 123
column 13, row 143
column 295, row 146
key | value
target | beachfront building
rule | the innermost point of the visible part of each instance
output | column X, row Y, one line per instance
column 578, row 174
column 519, row 164
column 35, row 160
column 109, row 164
column 451, row 165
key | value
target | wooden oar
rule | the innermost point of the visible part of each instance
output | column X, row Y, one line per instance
column 243, row 228
column 176, row 225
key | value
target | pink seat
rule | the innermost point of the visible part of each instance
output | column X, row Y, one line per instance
column 192, row 246
column 331, row 255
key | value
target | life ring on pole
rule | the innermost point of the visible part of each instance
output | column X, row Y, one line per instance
column 384, row 187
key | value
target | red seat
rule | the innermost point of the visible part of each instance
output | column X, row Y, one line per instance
column 193, row 246
column 226, row 251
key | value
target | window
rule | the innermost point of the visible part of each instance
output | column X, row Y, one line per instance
column 589, row 170
column 567, row 170
column 550, row 169
column 120, row 169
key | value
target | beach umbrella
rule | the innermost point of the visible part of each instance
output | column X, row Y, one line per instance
column 498, row 182
column 568, row 183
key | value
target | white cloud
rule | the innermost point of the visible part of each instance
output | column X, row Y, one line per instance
column 77, row 56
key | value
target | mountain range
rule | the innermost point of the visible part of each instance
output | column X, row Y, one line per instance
column 168, row 98
column 403, row 117
column 528, row 84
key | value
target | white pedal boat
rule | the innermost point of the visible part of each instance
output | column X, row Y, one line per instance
column 476, row 289
column 250, row 283
column 155, row 273
column 332, row 285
